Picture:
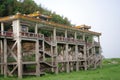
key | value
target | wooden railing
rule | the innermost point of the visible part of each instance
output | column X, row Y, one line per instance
column 72, row 40
column 6, row 33
column 31, row 35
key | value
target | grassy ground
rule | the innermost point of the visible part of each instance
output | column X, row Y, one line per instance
column 110, row 71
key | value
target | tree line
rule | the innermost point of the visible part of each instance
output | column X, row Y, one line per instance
column 11, row 7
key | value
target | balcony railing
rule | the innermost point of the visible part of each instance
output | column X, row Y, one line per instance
column 72, row 40
column 30, row 35
column 6, row 34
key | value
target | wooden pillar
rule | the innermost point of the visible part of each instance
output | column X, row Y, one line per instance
column 85, row 52
column 2, row 59
column 2, row 28
column 66, row 54
column 54, row 35
column 67, row 65
column 37, row 58
column 19, row 56
column 77, row 62
column 37, row 53
column 100, row 51
column 5, row 57
column 65, row 33
column 56, row 60
column 52, row 57
column 36, row 28
column 43, row 45
column 76, row 52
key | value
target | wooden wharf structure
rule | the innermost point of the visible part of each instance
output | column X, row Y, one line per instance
column 26, row 49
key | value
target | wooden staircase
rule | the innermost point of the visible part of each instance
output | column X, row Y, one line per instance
column 45, row 64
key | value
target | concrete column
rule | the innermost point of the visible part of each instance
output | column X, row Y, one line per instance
column 19, row 61
column 5, row 57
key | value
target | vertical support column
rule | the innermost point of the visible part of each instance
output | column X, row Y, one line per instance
column 2, row 28
column 85, row 52
column 67, row 65
column 76, row 53
column 43, row 45
column 54, row 35
column 16, row 30
column 100, row 51
column 85, row 58
column 37, row 53
column 19, row 61
column 56, row 60
column 36, row 28
column 55, row 50
column 37, row 58
column 52, row 57
column 93, row 53
column 5, row 57
column 2, row 59
column 77, row 62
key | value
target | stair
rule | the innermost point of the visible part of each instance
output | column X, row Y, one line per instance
column 49, row 41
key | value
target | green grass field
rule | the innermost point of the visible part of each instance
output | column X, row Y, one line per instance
column 110, row 71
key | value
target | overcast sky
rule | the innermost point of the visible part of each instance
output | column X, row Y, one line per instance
column 102, row 15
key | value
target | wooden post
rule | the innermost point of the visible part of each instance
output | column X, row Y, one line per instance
column 19, row 61
column 2, row 59
column 85, row 52
column 67, row 65
column 77, row 62
column 2, row 28
column 100, row 51
column 52, row 58
column 76, row 53
column 54, row 35
column 43, row 45
column 37, row 53
column 37, row 58
column 56, row 62
column 5, row 57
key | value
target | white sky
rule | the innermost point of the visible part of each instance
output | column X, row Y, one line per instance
column 102, row 15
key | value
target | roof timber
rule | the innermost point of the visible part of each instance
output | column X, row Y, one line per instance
column 24, row 17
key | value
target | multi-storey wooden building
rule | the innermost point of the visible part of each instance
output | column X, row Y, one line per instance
column 31, row 45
